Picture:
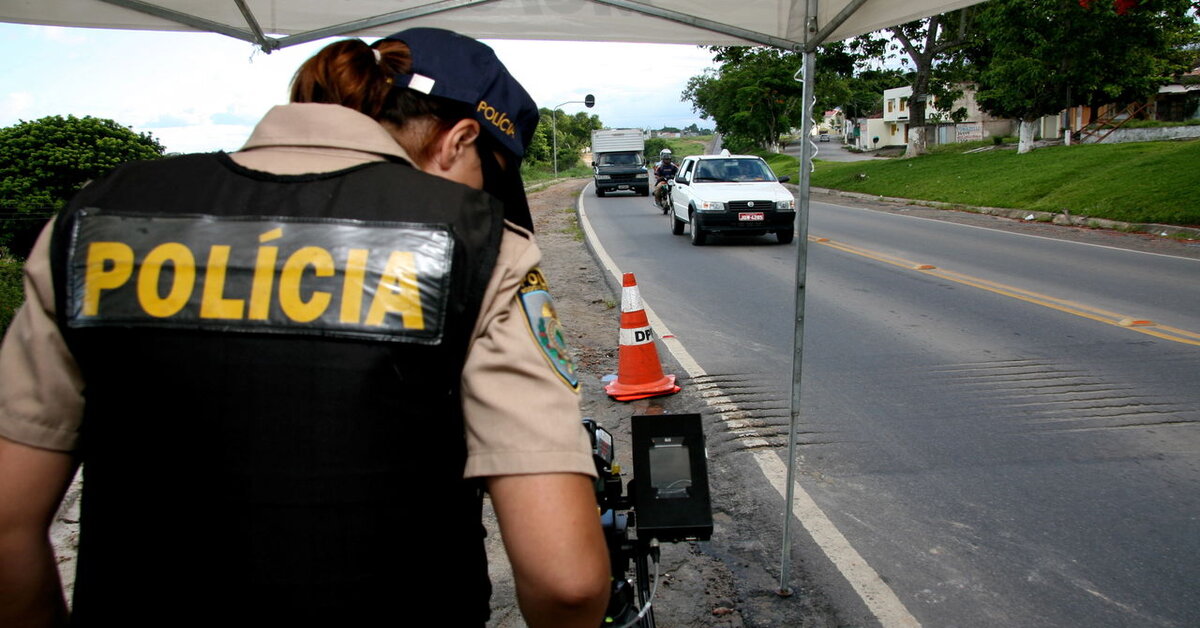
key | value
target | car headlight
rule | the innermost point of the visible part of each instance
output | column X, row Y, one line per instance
column 642, row 176
column 711, row 206
column 603, row 177
column 788, row 204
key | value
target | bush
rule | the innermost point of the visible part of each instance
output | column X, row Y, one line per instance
column 654, row 146
column 12, row 291
column 44, row 162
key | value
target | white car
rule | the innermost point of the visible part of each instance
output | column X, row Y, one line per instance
column 731, row 194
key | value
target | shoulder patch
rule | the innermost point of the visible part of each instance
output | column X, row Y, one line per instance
column 544, row 325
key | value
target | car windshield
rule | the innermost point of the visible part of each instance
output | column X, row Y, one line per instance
column 733, row 170
column 619, row 159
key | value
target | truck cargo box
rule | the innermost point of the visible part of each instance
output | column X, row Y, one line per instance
column 618, row 161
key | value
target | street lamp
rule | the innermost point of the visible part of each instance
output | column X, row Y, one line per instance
column 587, row 101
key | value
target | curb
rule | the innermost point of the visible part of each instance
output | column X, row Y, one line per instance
column 1063, row 218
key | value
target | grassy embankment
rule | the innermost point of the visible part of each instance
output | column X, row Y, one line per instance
column 1144, row 182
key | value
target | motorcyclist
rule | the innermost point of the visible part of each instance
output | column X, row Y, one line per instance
column 664, row 171
column 666, row 152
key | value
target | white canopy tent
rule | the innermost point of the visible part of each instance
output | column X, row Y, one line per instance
column 799, row 25
column 780, row 23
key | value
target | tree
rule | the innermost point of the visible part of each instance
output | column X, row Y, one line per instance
column 1043, row 56
column 865, row 91
column 931, row 45
column 44, row 162
column 574, row 133
column 754, row 96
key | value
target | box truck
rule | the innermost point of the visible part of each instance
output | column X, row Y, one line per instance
column 618, row 162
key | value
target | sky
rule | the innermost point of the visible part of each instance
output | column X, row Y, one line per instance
column 200, row 92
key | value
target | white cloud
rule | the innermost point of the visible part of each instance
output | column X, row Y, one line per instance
column 194, row 91
column 61, row 35
column 202, row 138
column 635, row 85
column 15, row 105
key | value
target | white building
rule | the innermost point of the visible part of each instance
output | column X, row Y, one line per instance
column 892, row 128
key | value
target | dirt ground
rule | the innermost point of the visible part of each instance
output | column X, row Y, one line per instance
column 729, row 581
column 696, row 590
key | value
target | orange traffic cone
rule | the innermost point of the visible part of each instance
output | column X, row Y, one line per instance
column 639, row 373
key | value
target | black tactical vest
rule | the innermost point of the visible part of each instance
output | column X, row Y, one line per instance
column 273, row 430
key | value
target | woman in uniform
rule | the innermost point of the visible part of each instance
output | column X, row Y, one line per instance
column 291, row 371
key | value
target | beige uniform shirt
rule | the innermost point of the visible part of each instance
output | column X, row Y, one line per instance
column 521, row 416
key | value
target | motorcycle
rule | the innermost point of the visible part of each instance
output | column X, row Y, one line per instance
column 662, row 196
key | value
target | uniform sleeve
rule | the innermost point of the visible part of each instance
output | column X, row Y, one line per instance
column 41, row 390
column 521, row 415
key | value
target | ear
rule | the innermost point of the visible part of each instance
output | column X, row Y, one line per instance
column 452, row 145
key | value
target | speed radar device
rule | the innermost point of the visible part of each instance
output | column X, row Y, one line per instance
column 667, row 502
column 671, row 498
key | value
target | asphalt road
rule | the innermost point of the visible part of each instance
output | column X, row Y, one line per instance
column 998, row 434
column 833, row 150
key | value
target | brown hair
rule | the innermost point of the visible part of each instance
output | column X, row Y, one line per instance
column 346, row 73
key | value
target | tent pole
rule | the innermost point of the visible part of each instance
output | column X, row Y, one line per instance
column 186, row 19
column 270, row 44
column 259, row 37
column 433, row 8
column 806, row 154
column 761, row 39
column 839, row 19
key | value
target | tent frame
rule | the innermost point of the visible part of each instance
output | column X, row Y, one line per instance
column 255, row 35
column 814, row 36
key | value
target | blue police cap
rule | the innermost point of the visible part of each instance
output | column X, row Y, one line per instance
column 453, row 66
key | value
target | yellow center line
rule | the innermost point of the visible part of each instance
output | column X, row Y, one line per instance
column 1124, row 321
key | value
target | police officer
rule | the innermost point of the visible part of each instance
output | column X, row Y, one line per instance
column 290, row 372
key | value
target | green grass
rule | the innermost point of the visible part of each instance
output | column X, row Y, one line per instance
column 689, row 146
column 544, row 172
column 573, row 229
column 1134, row 182
column 781, row 165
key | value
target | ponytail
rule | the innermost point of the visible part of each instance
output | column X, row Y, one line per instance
column 352, row 74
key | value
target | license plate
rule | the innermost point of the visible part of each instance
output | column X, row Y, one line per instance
column 751, row 216
column 622, row 187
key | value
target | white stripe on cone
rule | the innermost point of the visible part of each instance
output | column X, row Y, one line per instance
column 638, row 336
column 631, row 299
